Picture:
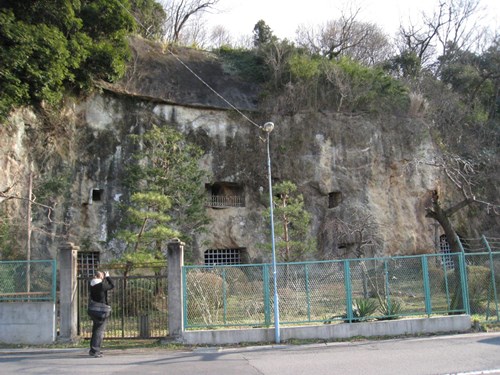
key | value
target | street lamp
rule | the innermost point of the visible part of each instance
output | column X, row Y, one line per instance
column 268, row 128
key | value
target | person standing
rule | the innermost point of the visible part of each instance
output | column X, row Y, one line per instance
column 99, row 309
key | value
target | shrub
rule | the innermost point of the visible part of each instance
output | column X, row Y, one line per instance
column 364, row 307
column 370, row 89
column 390, row 310
column 204, row 294
column 304, row 67
column 436, row 277
column 7, row 280
column 245, row 63
column 236, row 281
column 478, row 278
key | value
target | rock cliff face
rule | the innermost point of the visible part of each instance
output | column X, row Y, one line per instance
column 351, row 170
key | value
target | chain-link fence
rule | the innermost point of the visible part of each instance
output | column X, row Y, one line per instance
column 342, row 290
column 138, row 301
column 483, row 281
column 24, row 281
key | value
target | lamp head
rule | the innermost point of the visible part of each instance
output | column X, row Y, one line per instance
column 268, row 127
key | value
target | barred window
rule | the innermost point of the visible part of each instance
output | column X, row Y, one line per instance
column 225, row 194
column 444, row 248
column 88, row 263
column 223, row 256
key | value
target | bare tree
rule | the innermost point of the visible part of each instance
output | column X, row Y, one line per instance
column 464, row 176
column 374, row 48
column 220, row 36
column 341, row 82
column 276, row 55
column 450, row 26
column 180, row 11
column 345, row 36
column 7, row 193
column 357, row 232
column 244, row 41
column 17, row 231
column 195, row 33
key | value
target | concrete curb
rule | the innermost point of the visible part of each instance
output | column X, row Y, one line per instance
column 416, row 326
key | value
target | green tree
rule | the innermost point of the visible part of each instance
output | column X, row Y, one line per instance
column 148, row 212
column 167, row 194
column 151, row 16
column 292, row 223
column 304, row 67
column 106, row 23
column 262, row 34
column 476, row 78
column 47, row 47
column 405, row 65
column 8, row 248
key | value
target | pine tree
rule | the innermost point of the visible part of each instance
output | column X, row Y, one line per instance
column 291, row 223
column 167, row 197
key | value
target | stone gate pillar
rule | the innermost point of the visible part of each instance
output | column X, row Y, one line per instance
column 68, row 297
column 175, row 259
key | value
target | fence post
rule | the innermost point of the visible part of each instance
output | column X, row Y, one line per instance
column 348, row 290
column 463, row 282
column 175, row 262
column 492, row 271
column 427, row 289
column 68, row 291
column 265, row 284
column 308, row 292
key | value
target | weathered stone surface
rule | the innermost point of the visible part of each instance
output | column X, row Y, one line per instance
column 362, row 163
column 363, row 159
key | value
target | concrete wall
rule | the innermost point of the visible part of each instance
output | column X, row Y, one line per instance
column 456, row 323
column 27, row 323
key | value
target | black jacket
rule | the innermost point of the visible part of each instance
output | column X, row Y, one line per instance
column 99, row 289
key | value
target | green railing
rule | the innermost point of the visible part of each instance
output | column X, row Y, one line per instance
column 342, row 290
column 23, row 281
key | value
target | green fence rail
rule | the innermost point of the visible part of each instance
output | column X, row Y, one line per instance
column 342, row 290
column 24, row 281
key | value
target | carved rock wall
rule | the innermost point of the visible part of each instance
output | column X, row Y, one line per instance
column 364, row 162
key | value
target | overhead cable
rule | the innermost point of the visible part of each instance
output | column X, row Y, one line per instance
column 194, row 74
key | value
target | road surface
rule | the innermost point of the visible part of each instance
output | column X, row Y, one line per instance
column 465, row 354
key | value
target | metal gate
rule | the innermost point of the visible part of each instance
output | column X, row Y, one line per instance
column 138, row 300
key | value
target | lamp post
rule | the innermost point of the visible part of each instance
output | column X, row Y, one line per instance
column 268, row 128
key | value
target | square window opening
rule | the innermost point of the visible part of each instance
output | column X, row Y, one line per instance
column 87, row 263
column 224, row 256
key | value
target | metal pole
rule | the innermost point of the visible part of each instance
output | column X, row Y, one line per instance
column 28, row 239
column 276, row 300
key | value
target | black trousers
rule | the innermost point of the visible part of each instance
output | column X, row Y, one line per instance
column 98, row 328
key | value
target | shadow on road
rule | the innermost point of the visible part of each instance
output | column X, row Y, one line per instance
column 491, row 341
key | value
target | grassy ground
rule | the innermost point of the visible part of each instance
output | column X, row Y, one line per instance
column 156, row 344
column 109, row 344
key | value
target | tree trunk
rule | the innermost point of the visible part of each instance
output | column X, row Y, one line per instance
column 442, row 216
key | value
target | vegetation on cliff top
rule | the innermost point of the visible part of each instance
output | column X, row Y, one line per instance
column 49, row 47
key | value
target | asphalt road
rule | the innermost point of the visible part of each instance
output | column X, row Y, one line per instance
column 455, row 354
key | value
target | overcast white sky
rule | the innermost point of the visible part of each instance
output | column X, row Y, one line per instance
column 284, row 16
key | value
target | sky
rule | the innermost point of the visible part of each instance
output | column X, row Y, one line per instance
column 284, row 16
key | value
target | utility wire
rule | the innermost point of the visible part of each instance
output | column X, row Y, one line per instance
column 212, row 89
column 193, row 73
